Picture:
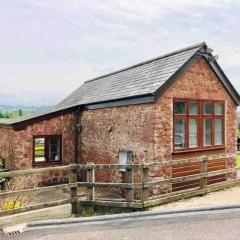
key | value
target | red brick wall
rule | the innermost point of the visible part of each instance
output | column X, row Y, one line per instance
column 200, row 82
column 6, row 146
column 132, row 127
column 22, row 141
column 147, row 129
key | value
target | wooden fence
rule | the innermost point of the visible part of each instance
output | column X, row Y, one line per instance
column 130, row 186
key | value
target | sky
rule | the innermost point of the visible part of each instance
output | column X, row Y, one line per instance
column 48, row 48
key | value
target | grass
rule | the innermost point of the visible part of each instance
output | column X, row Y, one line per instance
column 37, row 148
column 3, row 119
column 238, row 159
column 39, row 153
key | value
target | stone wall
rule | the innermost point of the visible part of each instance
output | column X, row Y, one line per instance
column 23, row 140
column 106, row 131
column 17, row 146
column 6, row 146
column 200, row 82
column 147, row 129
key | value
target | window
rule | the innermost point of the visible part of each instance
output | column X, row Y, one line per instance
column 193, row 108
column 213, row 127
column 218, row 131
column 47, row 149
column 180, row 107
column 180, row 130
column 198, row 124
column 193, row 133
column 39, row 150
column 207, row 126
column 207, row 108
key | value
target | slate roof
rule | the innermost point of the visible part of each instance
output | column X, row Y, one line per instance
column 139, row 80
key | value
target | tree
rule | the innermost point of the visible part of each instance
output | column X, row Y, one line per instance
column 9, row 115
column 20, row 113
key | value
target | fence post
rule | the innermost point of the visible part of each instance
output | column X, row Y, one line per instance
column 90, row 179
column 73, row 188
column 129, row 179
column 203, row 169
column 144, row 178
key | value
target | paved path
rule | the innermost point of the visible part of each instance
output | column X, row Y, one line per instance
column 224, row 224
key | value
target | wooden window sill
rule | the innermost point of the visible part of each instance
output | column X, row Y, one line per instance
column 198, row 150
column 42, row 164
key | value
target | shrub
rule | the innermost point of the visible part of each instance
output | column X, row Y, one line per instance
column 2, row 162
column 87, row 212
column 12, row 204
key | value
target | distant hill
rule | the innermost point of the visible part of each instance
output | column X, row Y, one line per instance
column 7, row 108
column 7, row 111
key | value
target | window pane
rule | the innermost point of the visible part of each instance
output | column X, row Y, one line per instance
column 207, row 132
column 193, row 133
column 180, row 142
column 180, row 108
column 218, row 109
column 218, row 132
column 193, row 109
column 39, row 148
column 54, row 149
column 207, row 108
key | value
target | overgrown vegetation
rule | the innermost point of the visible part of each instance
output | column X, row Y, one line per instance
column 19, row 200
column 238, row 159
column 10, row 114
column 2, row 162
column 87, row 212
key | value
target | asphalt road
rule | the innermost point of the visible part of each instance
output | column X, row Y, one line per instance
column 223, row 224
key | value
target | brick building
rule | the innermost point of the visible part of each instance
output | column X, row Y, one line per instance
column 174, row 106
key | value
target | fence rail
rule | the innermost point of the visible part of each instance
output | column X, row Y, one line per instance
column 130, row 186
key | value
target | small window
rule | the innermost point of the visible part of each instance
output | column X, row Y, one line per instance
column 207, row 132
column 193, row 133
column 47, row 149
column 218, row 132
column 193, row 108
column 218, row 109
column 180, row 126
column 39, row 150
column 54, row 148
column 180, row 108
column 207, row 108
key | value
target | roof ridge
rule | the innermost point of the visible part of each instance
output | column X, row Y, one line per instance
column 148, row 61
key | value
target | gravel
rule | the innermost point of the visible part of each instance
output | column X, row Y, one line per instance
column 229, row 196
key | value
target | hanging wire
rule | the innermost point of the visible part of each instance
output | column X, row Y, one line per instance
column 230, row 51
column 232, row 48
